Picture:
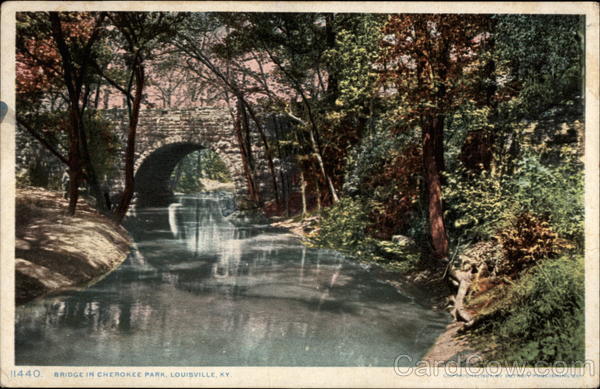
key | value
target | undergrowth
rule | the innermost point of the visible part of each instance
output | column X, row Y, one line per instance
column 343, row 227
column 541, row 318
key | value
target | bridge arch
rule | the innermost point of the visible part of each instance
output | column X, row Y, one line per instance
column 155, row 164
column 165, row 136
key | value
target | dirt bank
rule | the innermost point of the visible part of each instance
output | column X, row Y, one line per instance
column 56, row 252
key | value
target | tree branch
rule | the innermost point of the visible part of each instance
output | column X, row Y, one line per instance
column 111, row 81
column 43, row 141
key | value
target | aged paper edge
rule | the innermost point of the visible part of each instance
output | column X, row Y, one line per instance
column 298, row 376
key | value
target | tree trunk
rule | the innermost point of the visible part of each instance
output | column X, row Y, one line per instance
column 74, row 165
column 312, row 128
column 268, row 150
column 74, row 153
column 130, row 148
column 477, row 153
column 92, row 179
column 247, row 171
column 317, row 153
column 74, row 179
column 241, row 107
column 175, row 182
column 438, row 140
column 303, row 192
column 318, row 190
column 332, row 80
column 97, row 97
column 464, row 279
column 78, row 151
column 437, row 229
column 247, row 145
column 284, row 175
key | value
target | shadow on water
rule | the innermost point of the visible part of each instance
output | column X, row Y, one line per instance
column 198, row 290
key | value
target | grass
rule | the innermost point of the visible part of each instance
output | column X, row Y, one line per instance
column 539, row 319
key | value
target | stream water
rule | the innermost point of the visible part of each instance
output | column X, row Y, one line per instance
column 198, row 290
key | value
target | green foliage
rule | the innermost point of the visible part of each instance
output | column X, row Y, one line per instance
column 213, row 167
column 104, row 146
column 185, row 177
column 466, row 118
column 542, row 319
column 553, row 191
column 355, row 51
column 204, row 163
column 542, row 56
column 368, row 157
column 538, row 72
column 384, row 170
column 344, row 227
column 477, row 204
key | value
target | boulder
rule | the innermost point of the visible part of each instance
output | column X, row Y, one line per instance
column 403, row 241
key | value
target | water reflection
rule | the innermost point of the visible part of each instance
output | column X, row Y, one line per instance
column 197, row 290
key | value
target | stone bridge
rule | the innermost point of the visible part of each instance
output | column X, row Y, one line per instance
column 165, row 136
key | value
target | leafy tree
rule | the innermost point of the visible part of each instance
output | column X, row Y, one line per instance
column 428, row 60
column 139, row 34
column 539, row 75
column 53, row 53
column 542, row 58
column 75, row 66
column 536, row 131
column 295, row 45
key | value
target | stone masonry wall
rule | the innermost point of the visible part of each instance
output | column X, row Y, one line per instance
column 207, row 127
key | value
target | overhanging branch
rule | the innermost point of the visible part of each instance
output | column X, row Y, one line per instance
column 43, row 141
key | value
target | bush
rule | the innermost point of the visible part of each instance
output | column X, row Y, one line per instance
column 543, row 318
column 553, row 191
column 526, row 241
column 384, row 171
column 477, row 204
column 343, row 227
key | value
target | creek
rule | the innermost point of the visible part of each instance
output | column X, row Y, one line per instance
column 200, row 289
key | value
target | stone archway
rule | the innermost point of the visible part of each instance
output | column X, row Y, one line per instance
column 165, row 136
column 154, row 168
